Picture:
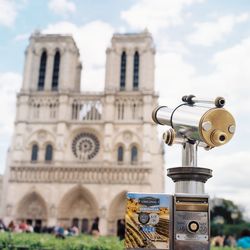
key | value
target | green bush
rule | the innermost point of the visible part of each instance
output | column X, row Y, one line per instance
column 49, row 242
column 45, row 241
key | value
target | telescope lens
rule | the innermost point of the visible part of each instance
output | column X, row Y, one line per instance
column 222, row 102
column 222, row 138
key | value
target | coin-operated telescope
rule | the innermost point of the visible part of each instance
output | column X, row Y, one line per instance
column 181, row 221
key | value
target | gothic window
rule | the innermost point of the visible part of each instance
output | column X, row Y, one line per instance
column 56, row 68
column 34, row 153
column 49, row 153
column 134, row 154
column 119, row 110
column 136, row 71
column 123, row 71
column 134, row 111
column 42, row 70
column 36, row 111
column 122, row 110
column 120, row 153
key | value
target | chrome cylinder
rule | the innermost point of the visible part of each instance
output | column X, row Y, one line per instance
column 162, row 115
column 189, row 180
column 189, row 155
column 189, row 187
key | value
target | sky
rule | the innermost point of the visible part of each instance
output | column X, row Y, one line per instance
column 203, row 48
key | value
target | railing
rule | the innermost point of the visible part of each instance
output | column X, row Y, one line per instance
column 86, row 107
column 87, row 175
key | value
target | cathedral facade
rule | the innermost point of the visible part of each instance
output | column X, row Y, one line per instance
column 74, row 154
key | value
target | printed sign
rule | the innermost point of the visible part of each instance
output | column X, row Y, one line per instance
column 148, row 221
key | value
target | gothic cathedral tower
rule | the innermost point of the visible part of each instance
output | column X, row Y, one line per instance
column 74, row 154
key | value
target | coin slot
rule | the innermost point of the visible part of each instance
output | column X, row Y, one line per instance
column 193, row 226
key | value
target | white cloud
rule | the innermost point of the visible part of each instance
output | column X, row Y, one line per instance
column 208, row 33
column 231, row 177
column 8, row 12
column 230, row 76
column 22, row 37
column 157, row 14
column 10, row 84
column 62, row 7
column 92, row 40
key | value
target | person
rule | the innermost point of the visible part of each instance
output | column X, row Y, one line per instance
column 60, row 232
column 75, row 230
column 2, row 226
column 244, row 240
column 121, row 229
column 217, row 241
column 23, row 226
column 29, row 228
column 95, row 227
column 12, row 226
column 229, row 241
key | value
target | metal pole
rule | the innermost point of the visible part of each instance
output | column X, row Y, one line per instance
column 189, row 155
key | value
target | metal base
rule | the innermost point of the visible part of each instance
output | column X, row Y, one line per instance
column 189, row 180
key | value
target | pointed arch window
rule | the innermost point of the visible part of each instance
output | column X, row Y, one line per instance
column 56, row 69
column 34, row 153
column 123, row 71
column 136, row 70
column 49, row 153
column 134, row 154
column 120, row 154
column 42, row 71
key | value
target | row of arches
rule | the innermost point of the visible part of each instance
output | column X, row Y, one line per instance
column 128, row 108
column 48, row 156
column 123, row 67
column 133, row 154
column 78, row 207
column 42, row 71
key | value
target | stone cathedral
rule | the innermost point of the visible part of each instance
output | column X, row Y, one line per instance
column 74, row 154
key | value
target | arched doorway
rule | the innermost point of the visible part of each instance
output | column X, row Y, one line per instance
column 33, row 210
column 117, row 210
column 78, row 208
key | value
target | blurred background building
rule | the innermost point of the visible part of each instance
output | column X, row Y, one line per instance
column 74, row 154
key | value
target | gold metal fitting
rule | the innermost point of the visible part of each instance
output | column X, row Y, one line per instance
column 169, row 137
column 217, row 127
column 218, row 137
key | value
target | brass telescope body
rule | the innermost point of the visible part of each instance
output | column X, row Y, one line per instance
column 209, row 126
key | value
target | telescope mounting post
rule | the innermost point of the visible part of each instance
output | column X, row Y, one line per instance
column 189, row 154
column 189, row 178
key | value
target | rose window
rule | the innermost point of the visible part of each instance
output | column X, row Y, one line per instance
column 85, row 146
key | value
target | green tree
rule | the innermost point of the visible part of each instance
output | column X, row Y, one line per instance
column 226, row 209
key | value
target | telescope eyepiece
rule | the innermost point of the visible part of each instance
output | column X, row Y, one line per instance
column 220, row 102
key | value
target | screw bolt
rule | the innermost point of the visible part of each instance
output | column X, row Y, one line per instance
column 207, row 125
column 231, row 129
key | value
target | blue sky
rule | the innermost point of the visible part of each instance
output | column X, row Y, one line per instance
column 203, row 47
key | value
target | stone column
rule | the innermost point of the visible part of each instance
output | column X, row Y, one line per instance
column 34, row 73
column 49, row 70
column 129, row 71
column 103, row 224
column 27, row 71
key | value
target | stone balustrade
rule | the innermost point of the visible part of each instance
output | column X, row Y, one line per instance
column 94, row 175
